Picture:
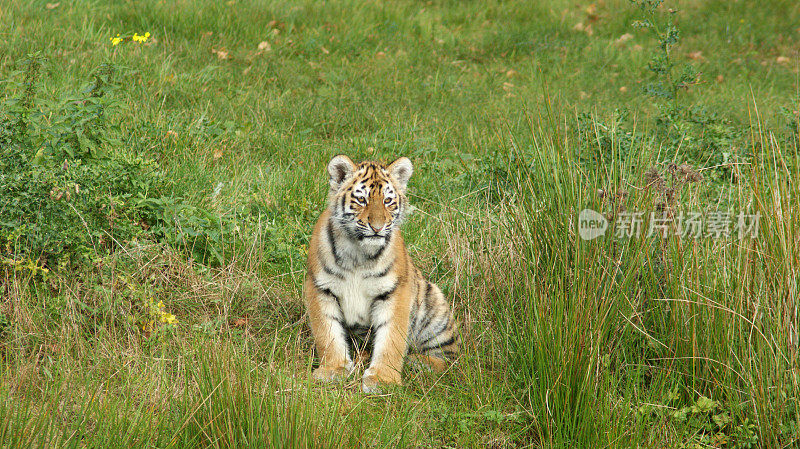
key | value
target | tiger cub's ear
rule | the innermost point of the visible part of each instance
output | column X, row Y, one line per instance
column 401, row 170
column 339, row 169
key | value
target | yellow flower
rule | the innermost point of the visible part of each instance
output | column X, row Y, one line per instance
column 141, row 38
column 168, row 318
column 116, row 41
column 160, row 304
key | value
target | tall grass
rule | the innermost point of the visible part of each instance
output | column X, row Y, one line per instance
column 597, row 329
column 226, row 402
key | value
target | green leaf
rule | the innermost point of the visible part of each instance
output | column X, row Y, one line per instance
column 37, row 159
column 704, row 405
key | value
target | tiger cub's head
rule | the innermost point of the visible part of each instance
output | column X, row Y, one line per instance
column 368, row 200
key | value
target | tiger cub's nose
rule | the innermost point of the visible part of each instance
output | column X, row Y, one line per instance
column 375, row 226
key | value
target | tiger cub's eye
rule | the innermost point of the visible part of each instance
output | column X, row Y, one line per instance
column 387, row 201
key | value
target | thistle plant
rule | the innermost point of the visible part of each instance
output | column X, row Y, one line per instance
column 666, row 81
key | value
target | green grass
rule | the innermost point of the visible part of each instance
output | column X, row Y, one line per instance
column 567, row 343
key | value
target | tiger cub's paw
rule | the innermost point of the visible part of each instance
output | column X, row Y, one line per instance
column 329, row 374
column 375, row 381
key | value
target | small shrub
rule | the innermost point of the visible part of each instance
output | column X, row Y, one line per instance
column 692, row 133
column 71, row 193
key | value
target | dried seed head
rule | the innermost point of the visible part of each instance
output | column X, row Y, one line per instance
column 653, row 179
column 670, row 194
column 689, row 173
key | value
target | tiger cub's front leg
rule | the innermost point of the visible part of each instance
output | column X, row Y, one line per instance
column 390, row 320
column 330, row 336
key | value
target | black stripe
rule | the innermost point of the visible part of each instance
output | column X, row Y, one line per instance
column 347, row 341
column 382, row 273
column 335, row 318
column 420, row 315
column 380, row 251
column 447, row 342
column 429, row 315
column 380, row 298
column 414, row 318
column 425, row 322
column 377, row 327
column 330, row 271
column 336, row 257
column 385, row 295
column 435, row 334
column 420, row 281
column 325, row 291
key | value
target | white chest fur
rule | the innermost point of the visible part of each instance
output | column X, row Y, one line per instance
column 356, row 293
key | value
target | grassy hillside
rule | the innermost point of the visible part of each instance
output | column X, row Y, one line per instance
column 157, row 195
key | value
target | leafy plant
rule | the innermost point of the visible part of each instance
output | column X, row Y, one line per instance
column 692, row 132
column 665, row 80
column 71, row 193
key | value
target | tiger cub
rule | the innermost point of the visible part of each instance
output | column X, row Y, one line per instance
column 362, row 288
